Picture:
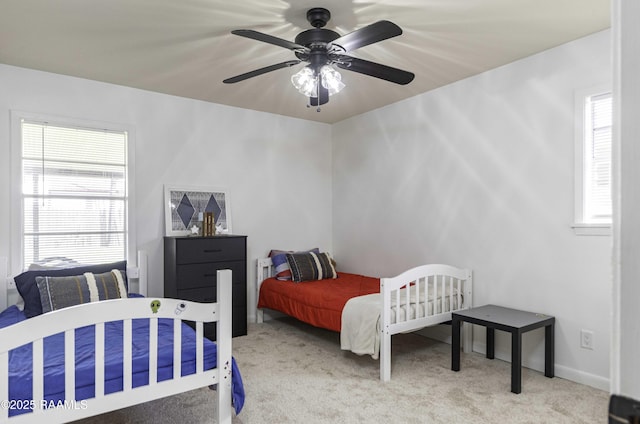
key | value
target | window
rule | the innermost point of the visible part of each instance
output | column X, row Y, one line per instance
column 597, row 159
column 73, row 191
column 593, row 162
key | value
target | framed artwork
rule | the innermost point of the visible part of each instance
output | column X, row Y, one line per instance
column 185, row 206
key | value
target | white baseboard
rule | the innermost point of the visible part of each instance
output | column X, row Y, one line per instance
column 572, row 374
column 582, row 377
column 442, row 333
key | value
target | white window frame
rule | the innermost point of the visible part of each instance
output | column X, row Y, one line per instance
column 17, row 117
column 580, row 225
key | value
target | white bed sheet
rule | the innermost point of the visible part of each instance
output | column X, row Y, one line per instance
column 361, row 316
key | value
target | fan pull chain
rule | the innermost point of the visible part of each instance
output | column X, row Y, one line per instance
column 317, row 95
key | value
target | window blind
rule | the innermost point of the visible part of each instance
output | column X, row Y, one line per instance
column 597, row 161
column 74, row 194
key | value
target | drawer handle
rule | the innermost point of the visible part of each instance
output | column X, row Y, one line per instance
column 212, row 250
column 210, row 275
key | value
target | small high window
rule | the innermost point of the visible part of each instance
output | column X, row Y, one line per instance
column 593, row 161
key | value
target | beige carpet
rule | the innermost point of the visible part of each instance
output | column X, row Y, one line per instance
column 294, row 373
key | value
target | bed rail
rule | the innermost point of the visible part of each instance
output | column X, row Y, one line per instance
column 66, row 320
column 421, row 297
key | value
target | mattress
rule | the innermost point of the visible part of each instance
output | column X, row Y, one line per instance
column 318, row 303
column 20, row 360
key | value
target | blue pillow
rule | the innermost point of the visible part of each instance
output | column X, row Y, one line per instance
column 10, row 316
column 28, row 289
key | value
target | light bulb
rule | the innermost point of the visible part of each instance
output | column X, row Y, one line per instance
column 331, row 79
column 305, row 81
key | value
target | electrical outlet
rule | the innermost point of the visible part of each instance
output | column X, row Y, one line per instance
column 586, row 339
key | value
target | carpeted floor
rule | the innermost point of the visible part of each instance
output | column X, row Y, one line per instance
column 294, row 373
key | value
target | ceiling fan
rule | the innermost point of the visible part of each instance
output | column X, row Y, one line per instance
column 321, row 48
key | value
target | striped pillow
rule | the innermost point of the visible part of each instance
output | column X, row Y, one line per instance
column 311, row 266
column 281, row 265
column 62, row 292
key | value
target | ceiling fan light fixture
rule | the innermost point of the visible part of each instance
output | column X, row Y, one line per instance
column 331, row 79
column 305, row 81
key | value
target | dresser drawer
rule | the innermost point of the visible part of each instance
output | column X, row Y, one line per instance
column 208, row 295
column 238, row 326
column 204, row 275
column 202, row 249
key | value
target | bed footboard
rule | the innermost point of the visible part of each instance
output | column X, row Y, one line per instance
column 67, row 320
column 418, row 298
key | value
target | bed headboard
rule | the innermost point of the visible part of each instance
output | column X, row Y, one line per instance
column 9, row 294
column 264, row 271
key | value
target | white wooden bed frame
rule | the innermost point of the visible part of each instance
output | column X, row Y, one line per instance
column 443, row 275
column 34, row 330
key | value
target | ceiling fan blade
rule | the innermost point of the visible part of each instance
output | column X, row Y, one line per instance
column 370, row 34
column 260, row 71
column 255, row 35
column 375, row 70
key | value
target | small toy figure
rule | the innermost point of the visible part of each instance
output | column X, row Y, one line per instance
column 181, row 307
column 155, row 305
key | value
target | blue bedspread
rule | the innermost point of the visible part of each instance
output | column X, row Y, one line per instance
column 20, row 374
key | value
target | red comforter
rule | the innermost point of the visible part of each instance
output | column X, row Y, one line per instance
column 318, row 303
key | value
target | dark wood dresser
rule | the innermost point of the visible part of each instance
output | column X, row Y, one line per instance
column 190, row 265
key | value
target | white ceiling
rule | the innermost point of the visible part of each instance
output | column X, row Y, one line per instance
column 185, row 48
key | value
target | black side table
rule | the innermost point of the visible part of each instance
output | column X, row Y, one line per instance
column 515, row 322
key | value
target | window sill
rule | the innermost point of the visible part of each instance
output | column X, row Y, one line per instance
column 581, row 229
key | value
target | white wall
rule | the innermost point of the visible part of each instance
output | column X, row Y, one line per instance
column 479, row 174
column 277, row 170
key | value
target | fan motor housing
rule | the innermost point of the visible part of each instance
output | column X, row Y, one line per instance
column 316, row 40
column 316, row 37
